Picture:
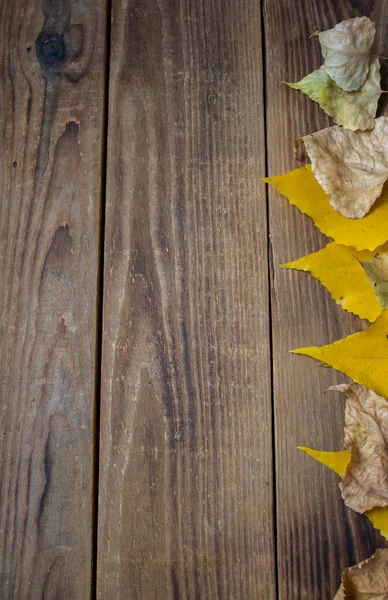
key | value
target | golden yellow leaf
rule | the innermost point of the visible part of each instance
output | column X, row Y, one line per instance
column 346, row 50
column 367, row 580
column 302, row 189
column 363, row 356
column 379, row 519
column 337, row 462
column 366, row 255
column 338, row 269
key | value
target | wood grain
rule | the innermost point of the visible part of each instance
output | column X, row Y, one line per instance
column 186, row 451
column 317, row 536
column 51, row 98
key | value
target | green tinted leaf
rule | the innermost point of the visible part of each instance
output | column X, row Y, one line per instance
column 353, row 110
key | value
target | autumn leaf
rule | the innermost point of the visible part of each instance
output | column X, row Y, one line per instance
column 337, row 462
column 346, row 50
column 376, row 270
column 302, row 189
column 337, row 267
column 352, row 167
column 379, row 519
column 363, row 356
column 365, row 484
column 354, row 110
column 367, row 580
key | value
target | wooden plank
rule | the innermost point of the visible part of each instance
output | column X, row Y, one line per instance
column 185, row 505
column 317, row 536
column 51, row 98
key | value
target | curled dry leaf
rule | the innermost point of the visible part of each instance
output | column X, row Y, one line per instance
column 365, row 483
column 346, row 50
column 302, row 190
column 350, row 166
column 337, row 462
column 337, row 267
column 354, row 110
column 363, row 356
column 367, row 580
column 376, row 270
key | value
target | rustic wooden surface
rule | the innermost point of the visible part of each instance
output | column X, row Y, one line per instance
column 317, row 536
column 186, row 319
column 51, row 118
column 202, row 493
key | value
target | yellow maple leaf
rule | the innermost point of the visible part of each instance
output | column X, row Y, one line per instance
column 337, row 267
column 363, row 356
column 337, row 462
column 379, row 518
column 302, row 190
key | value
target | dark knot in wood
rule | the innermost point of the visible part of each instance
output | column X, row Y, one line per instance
column 50, row 50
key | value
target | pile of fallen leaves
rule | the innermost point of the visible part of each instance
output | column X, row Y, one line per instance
column 343, row 192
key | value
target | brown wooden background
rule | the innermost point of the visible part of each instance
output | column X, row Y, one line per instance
column 150, row 409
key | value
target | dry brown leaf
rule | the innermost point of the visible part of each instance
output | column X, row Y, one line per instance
column 365, row 483
column 366, row 581
column 350, row 166
column 346, row 50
